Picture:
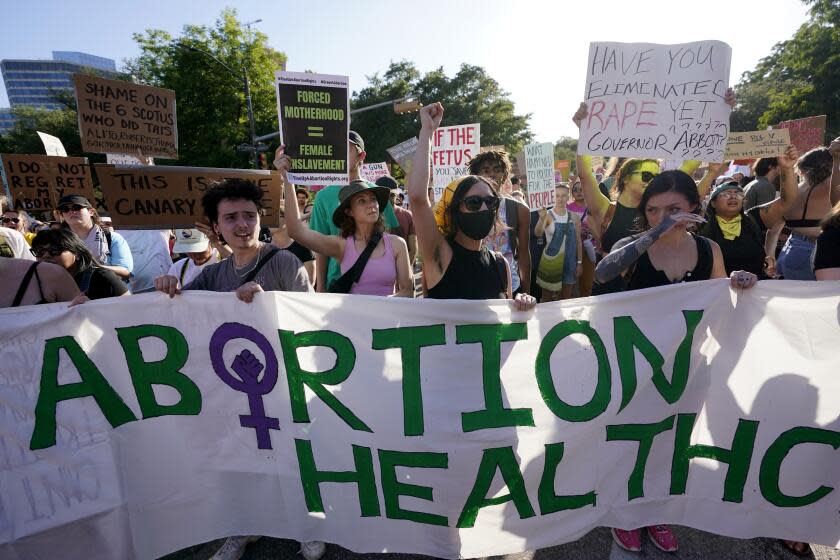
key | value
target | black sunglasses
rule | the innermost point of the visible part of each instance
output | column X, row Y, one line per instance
column 73, row 207
column 473, row 203
column 647, row 176
column 11, row 220
column 46, row 251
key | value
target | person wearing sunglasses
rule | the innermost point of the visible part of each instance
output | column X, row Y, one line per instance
column 740, row 233
column 17, row 220
column 66, row 249
column 456, row 264
column 109, row 248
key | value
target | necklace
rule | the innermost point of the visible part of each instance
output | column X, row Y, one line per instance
column 246, row 272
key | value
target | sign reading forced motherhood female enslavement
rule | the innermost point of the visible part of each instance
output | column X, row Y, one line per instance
column 133, row 427
column 659, row 101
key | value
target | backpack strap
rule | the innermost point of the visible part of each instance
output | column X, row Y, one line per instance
column 265, row 259
column 184, row 271
column 501, row 269
column 24, row 283
column 512, row 219
column 107, row 233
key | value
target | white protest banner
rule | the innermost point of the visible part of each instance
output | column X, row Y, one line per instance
column 381, row 424
column 373, row 171
column 757, row 144
column 314, row 115
column 452, row 149
column 128, row 159
column 539, row 168
column 403, row 153
column 52, row 145
column 657, row 101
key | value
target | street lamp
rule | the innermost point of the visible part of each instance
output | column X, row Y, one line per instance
column 254, row 147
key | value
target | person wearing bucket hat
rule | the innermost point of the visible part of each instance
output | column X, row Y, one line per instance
column 456, row 264
column 109, row 247
column 740, row 232
column 358, row 218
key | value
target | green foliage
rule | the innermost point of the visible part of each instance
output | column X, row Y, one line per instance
column 468, row 97
column 566, row 148
column 800, row 77
column 212, row 113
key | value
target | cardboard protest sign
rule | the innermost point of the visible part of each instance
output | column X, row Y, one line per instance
column 757, row 144
column 314, row 112
column 518, row 165
column 35, row 182
column 126, row 118
column 805, row 134
column 562, row 169
column 373, row 171
column 403, row 153
column 496, row 148
column 452, row 149
column 128, row 159
column 539, row 169
column 669, row 405
column 657, row 101
column 52, row 144
column 159, row 197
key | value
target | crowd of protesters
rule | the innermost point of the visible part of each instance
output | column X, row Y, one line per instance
column 629, row 226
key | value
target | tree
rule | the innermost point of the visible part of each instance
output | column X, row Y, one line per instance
column 468, row 97
column 566, row 148
column 800, row 77
column 212, row 113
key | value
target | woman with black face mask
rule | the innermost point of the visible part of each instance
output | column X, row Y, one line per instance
column 456, row 265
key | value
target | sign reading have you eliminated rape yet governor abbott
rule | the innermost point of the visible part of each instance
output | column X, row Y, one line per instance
column 314, row 115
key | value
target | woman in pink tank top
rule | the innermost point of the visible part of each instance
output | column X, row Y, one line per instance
column 359, row 218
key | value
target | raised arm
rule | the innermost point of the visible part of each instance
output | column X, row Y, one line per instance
column 713, row 172
column 596, row 202
column 774, row 212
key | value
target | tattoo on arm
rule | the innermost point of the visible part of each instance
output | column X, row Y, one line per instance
column 621, row 258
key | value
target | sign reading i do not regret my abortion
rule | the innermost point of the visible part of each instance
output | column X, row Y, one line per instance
column 657, row 101
column 314, row 113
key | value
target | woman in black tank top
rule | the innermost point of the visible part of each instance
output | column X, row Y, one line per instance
column 456, row 265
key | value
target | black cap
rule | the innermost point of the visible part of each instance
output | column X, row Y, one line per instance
column 355, row 138
column 74, row 199
column 387, row 182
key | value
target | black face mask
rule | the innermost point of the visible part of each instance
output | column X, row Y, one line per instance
column 476, row 225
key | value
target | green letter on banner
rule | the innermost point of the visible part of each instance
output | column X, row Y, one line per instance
column 345, row 359
column 393, row 489
column 502, row 459
column 628, row 337
column 410, row 340
column 738, row 458
column 93, row 384
column 163, row 372
column 495, row 415
column 600, row 400
column 549, row 501
column 771, row 464
column 311, row 478
column 644, row 434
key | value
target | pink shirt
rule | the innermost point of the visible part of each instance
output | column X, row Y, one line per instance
column 380, row 274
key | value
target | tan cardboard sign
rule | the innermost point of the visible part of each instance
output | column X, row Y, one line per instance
column 805, row 133
column 124, row 118
column 157, row 197
column 35, row 182
column 756, row 144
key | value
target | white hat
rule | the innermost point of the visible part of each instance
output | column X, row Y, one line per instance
column 190, row 241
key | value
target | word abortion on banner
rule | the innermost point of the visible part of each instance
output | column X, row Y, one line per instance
column 159, row 197
column 35, row 182
column 539, row 169
column 593, row 418
column 452, row 149
column 314, row 113
column 403, row 153
column 128, row 159
column 657, row 101
column 52, row 144
column 372, row 171
column 121, row 117
column 756, row 144
column 805, row 134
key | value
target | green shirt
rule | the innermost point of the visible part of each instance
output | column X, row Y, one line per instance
column 321, row 220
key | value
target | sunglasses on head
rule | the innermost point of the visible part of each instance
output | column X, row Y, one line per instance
column 71, row 207
column 647, row 176
column 11, row 220
column 473, row 203
column 42, row 252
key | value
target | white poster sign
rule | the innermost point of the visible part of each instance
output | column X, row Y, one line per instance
column 128, row 159
column 452, row 149
column 373, row 171
column 657, row 101
column 539, row 168
column 52, row 144
column 403, row 153
column 134, row 427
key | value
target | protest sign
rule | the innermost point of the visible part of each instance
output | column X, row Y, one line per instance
column 52, row 145
column 653, row 101
column 403, row 153
column 805, row 133
column 539, row 168
column 373, row 171
column 756, row 144
column 452, row 149
column 518, row 165
column 562, row 169
column 597, row 161
column 314, row 112
column 496, row 148
column 35, row 183
column 128, row 159
column 686, row 404
column 158, row 197
column 126, row 118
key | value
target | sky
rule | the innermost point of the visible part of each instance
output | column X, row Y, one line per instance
column 535, row 49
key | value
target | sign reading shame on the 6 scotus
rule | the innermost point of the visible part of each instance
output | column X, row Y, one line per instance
column 313, row 110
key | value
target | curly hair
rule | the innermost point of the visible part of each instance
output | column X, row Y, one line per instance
column 815, row 165
column 230, row 189
column 494, row 157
